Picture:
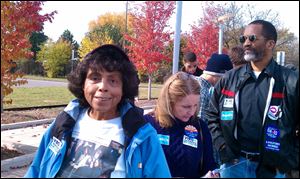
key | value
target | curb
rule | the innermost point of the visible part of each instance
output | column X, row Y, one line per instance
column 16, row 162
column 18, row 125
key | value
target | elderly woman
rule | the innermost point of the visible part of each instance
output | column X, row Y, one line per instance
column 101, row 134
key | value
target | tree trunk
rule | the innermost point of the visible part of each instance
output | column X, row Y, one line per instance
column 1, row 100
column 149, row 87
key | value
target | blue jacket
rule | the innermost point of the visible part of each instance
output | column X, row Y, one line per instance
column 178, row 142
column 144, row 156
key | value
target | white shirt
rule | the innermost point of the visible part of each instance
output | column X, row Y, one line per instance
column 97, row 149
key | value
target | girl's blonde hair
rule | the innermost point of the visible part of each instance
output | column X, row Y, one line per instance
column 174, row 89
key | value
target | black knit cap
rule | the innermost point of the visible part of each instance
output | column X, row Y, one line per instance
column 218, row 64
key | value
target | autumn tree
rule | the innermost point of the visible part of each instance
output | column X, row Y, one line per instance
column 147, row 43
column 243, row 15
column 107, row 29
column 203, row 39
column 18, row 20
column 54, row 57
column 87, row 44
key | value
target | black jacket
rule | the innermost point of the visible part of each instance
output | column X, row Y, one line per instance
column 198, row 71
column 279, row 145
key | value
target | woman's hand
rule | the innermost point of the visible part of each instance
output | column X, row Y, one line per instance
column 212, row 174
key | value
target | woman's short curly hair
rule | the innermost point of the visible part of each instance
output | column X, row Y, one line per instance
column 110, row 58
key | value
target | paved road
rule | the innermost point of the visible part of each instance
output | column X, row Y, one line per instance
column 42, row 83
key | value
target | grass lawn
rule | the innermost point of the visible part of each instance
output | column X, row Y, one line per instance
column 44, row 96
column 39, row 96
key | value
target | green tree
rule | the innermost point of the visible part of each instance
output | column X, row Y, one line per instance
column 68, row 36
column 54, row 57
column 31, row 66
column 37, row 39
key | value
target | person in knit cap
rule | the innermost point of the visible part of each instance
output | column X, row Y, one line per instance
column 216, row 66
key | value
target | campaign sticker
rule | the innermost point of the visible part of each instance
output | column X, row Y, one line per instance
column 228, row 103
column 55, row 145
column 272, row 132
column 163, row 139
column 191, row 131
column 272, row 145
column 274, row 112
column 193, row 142
column 226, row 115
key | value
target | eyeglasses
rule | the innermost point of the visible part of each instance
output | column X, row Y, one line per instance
column 243, row 38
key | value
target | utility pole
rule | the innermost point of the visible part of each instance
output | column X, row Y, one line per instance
column 126, row 12
column 177, row 37
column 221, row 20
column 72, row 59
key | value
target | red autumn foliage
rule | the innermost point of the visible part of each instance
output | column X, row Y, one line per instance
column 18, row 20
column 150, row 35
column 204, row 37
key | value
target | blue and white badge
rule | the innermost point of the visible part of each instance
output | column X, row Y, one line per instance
column 228, row 103
column 226, row 115
column 163, row 139
column 272, row 132
column 55, row 145
column 274, row 112
column 191, row 131
column 272, row 145
column 272, row 136
column 193, row 142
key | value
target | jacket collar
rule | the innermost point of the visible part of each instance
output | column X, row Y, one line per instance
column 270, row 69
column 132, row 116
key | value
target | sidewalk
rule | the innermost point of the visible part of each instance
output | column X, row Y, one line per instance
column 25, row 140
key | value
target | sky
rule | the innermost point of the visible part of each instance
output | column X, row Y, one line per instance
column 75, row 16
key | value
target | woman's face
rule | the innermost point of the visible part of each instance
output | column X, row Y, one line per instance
column 185, row 108
column 103, row 91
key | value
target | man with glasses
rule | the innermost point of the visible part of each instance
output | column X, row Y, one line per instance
column 253, row 113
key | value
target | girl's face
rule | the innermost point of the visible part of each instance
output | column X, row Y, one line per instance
column 185, row 108
column 103, row 91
